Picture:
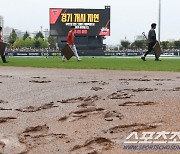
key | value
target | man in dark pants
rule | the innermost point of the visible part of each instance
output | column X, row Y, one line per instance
column 151, row 42
column 2, row 56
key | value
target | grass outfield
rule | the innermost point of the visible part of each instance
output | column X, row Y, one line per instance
column 135, row 64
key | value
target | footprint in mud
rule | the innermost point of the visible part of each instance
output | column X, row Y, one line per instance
column 0, row 82
column 4, row 109
column 119, row 95
column 92, row 98
column 86, row 104
column 82, row 113
column 162, row 79
column 87, row 110
column 36, row 81
column 140, row 79
column 33, row 141
column 38, row 77
column 112, row 115
column 137, row 103
column 95, row 81
column 125, row 83
column 10, row 144
column 159, row 84
column 96, row 88
column 6, row 119
column 71, row 118
column 72, row 100
column 175, row 89
column 140, row 89
column 43, row 128
column 38, row 135
column 97, row 144
column 34, row 109
column 3, row 102
column 6, row 76
column 86, row 100
column 136, row 127
column 103, row 83
column 2, row 145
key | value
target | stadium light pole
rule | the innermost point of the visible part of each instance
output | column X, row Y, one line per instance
column 159, row 24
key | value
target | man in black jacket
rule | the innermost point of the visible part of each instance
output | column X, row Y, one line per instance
column 151, row 42
column 2, row 55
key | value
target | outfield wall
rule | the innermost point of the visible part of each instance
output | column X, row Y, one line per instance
column 81, row 53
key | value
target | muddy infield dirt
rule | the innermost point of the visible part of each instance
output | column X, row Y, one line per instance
column 65, row 111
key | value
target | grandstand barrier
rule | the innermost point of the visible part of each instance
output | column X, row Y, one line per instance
column 82, row 53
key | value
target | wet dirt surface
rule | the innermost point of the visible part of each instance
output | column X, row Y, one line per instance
column 65, row 111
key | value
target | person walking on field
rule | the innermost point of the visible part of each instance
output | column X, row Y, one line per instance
column 1, row 40
column 70, row 42
column 151, row 42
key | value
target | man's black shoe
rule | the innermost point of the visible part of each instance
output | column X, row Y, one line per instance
column 143, row 58
column 5, row 61
column 157, row 60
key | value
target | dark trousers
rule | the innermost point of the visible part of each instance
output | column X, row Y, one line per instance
column 150, row 48
column 3, row 58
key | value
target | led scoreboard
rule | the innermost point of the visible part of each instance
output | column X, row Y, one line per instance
column 91, row 26
column 91, row 22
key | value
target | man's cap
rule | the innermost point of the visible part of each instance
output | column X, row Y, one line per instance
column 153, row 24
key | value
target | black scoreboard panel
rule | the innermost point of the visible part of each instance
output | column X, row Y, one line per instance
column 88, row 22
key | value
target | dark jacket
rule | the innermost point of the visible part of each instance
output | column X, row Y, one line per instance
column 152, row 36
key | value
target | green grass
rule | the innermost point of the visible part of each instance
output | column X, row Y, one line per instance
column 135, row 64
